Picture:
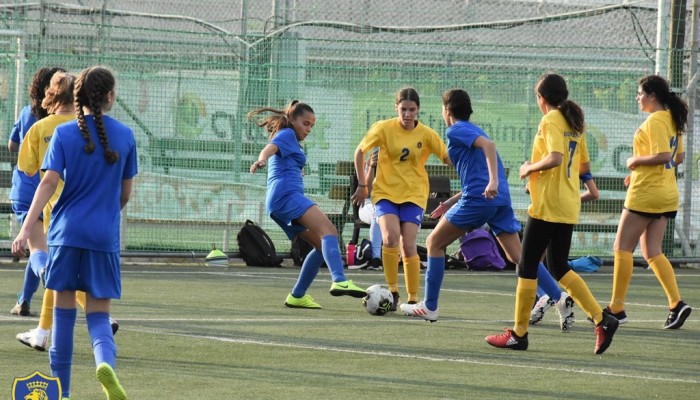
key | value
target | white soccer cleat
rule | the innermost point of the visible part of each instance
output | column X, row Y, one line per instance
column 543, row 304
column 419, row 310
column 565, row 309
column 35, row 338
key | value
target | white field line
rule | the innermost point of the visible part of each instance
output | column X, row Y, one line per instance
column 418, row 356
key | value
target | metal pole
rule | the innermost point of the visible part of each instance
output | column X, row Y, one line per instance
column 690, row 134
column 663, row 16
column 19, row 75
column 677, row 43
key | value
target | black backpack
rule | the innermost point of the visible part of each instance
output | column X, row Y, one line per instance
column 300, row 249
column 256, row 247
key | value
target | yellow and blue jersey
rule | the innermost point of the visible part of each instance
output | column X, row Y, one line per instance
column 401, row 176
column 653, row 188
column 555, row 192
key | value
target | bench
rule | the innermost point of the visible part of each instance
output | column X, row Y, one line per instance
column 169, row 152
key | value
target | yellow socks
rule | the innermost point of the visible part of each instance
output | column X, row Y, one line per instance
column 390, row 264
column 46, row 317
column 80, row 299
column 578, row 290
column 664, row 273
column 525, row 295
column 622, row 275
column 411, row 270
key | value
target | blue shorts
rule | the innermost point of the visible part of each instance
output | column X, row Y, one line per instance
column 94, row 272
column 294, row 206
column 21, row 208
column 407, row 212
column 467, row 217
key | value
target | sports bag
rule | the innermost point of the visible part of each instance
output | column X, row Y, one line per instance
column 256, row 247
column 363, row 252
column 481, row 252
column 300, row 249
column 586, row 264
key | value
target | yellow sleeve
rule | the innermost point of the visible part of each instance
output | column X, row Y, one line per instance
column 373, row 137
column 438, row 146
column 584, row 150
column 554, row 138
column 28, row 159
column 658, row 137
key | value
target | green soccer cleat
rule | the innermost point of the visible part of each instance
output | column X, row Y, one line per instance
column 304, row 302
column 110, row 384
column 347, row 288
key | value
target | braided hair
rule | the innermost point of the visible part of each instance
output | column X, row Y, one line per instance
column 91, row 90
column 281, row 118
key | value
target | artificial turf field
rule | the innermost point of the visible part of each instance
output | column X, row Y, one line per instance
column 193, row 332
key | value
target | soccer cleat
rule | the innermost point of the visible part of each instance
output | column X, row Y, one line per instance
column 604, row 332
column 115, row 325
column 21, row 309
column 419, row 310
column 395, row 303
column 508, row 340
column 677, row 316
column 110, row 384
column 621, row 316
column 565, row 309
column 543, row 304
column 347, row 288
column 303, row 302
column 35, row 338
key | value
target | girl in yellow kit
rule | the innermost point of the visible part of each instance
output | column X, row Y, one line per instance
column 652, row 196
column 400, row 189
column 557, row 152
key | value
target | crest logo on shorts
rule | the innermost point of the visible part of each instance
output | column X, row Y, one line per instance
column 36, row 386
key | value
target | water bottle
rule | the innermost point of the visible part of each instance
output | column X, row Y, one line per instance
column 350, row 256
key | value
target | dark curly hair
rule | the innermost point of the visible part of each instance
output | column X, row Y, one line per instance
column 37, row 89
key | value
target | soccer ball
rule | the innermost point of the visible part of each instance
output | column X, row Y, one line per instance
column 378, row 300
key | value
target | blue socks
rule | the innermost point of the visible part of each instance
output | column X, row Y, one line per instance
column 103, row 346
column 37, row 261
column 547, row 283
column 61, row 351
column 309, row 270
column 331, row 255
column 433, row 281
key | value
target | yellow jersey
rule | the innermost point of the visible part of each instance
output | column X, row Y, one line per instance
column 401, row 175
column 555, row 192
column 653, row 188
column 33, row 149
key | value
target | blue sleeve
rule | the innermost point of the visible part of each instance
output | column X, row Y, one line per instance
column 286, row 142
column 54, row 160
column 131, row 165
column 461, row 135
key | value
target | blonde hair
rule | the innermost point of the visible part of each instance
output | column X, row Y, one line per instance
column 59, row 93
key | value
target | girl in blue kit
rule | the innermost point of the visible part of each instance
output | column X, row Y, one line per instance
column 484, row 199
column 96, row 158
column 296, row 214
column 24, row 186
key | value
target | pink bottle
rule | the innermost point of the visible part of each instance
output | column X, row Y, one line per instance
column 350, row 253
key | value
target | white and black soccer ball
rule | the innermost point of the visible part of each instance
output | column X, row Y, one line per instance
column 378, row 300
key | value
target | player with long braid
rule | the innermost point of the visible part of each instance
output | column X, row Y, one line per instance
column 84, row 234
column 554, row 189
column 401, row 185
column 58, row 102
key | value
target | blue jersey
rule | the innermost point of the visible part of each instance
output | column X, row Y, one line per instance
column 87, row 213
column 470, row 163
column 23, row 186
column 284, row 175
